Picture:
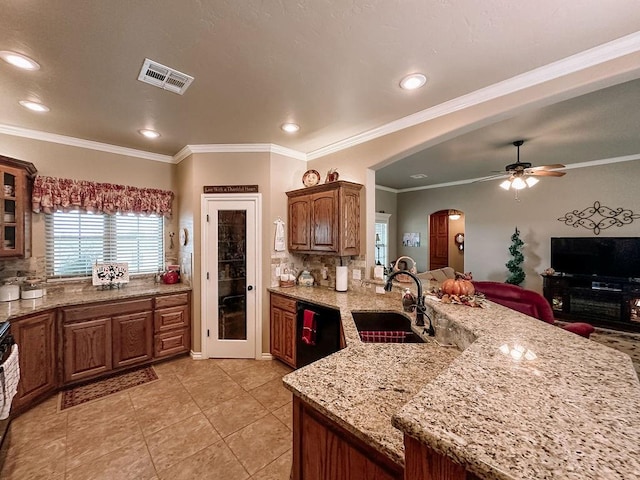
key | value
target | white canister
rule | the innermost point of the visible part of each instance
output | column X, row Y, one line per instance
column 342, row 279
column 8, row 293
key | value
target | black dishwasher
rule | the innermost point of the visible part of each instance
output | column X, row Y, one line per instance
column 327, row 336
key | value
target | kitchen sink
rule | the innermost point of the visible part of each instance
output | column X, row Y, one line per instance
column 384, row 322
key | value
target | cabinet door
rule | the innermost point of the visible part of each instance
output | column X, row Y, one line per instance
column 35, row 337
column 132, row 338
column 324, row 221
column 289, row 338
column 12, row 217
column 277, row 333
column 87, row 349
column 299, row 224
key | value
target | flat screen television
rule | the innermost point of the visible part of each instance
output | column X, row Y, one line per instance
column 607, row 257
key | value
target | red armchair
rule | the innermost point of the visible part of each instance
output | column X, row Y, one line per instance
column 528, row 302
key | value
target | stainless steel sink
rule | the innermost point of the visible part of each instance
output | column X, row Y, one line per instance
column 389, row 321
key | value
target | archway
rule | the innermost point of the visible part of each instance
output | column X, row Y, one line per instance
column 446, row 239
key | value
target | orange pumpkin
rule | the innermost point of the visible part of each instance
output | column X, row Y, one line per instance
column 458, row 287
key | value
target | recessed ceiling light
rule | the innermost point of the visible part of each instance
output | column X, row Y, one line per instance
column 18, row 60
column 34, row 106
column 149, row 133
column 413, row 81
column 290, row 127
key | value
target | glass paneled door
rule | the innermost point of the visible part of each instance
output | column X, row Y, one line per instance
column 231, row 264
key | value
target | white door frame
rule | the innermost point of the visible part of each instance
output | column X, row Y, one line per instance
column 207, row 304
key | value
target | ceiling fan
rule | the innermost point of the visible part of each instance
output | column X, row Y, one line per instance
column 521, row 174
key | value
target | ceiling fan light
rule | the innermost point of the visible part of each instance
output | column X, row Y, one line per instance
column 531, row 181
column 506, row 184
column 518, row 183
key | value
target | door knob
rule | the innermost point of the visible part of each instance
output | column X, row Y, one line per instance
column 250, row 287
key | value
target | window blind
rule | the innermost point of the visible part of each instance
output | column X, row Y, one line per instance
column 76, row 240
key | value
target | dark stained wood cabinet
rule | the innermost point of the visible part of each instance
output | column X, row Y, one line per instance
column 283, row 329
column 36, row 339
column 424, row 463
column 325, row 219
column 15, row 207
column 172, row 325
column 322, row 450
column 132, row 338
column 87, row 349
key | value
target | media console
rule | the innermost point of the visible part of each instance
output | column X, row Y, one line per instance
column 607, row 302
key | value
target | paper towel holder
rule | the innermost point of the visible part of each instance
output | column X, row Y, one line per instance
column 342, row 278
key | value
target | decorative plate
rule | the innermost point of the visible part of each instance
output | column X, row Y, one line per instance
column 311, row 178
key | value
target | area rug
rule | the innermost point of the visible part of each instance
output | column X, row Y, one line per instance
column 92, row 391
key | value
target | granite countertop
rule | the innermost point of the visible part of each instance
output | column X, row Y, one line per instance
column 70, row 294
column 571, row 413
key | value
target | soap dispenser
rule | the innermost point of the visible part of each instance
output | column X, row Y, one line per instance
column 408, row 301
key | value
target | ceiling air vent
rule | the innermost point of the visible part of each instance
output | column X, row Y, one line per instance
column 155, row 73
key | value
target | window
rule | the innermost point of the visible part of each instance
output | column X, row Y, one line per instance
column 76, row 240
column 382, row 239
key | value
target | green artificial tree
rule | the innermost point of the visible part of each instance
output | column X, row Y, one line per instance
column 514, row 265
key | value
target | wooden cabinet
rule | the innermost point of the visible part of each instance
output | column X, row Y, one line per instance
column 99, row 338
column 15, row 214
column 172, row 321
column 422, row 462
column 283, row 329
column 36, row 339
column 325, row 219
column 87, row 349
column 322, row 449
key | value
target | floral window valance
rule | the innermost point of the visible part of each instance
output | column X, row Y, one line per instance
column 52, row 194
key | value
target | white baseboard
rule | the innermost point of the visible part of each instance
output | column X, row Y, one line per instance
column 266, row 356
column 196, row 355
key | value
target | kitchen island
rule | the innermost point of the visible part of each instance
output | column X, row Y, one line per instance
column 572, row 412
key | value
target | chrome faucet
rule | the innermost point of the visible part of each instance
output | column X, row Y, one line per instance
column 420, row 307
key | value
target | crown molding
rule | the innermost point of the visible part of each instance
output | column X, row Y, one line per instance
column 602, row 53
column 78, row 142
column 387, row 189
column 592, row 163
column 239, row 148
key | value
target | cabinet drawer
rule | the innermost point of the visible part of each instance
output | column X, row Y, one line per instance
column 172, row 300
column 172, row 342
column 171, row 318
column 89, row 312
column 284, row 303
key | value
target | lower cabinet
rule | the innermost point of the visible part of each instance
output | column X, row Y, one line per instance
column 322, row 450
column 171, row 325
column 35, row 336
column 87, row 349
column 132, row 338
column 283, row 329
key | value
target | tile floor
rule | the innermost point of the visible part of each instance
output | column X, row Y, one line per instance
column 210, row 419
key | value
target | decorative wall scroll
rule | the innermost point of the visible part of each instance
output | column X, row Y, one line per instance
column 599, row 217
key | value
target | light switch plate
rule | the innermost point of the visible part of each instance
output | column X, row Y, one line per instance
column 357, row 274
column 277, row 271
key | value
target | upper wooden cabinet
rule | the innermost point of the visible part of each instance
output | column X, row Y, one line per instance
column 325, row 219
column 15, row 217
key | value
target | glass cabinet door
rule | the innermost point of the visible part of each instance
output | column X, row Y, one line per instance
column 232, row 281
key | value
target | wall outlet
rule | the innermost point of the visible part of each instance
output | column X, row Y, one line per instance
column 380, row 289
column 357, row 274
column 325, row 273
column 278, row 271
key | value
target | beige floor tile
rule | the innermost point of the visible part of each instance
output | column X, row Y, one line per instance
column 90, row 443
column 285, row 415
column 34, row 431
column 181, row 440
column 34, row 463
column 202, row 369
column 260, row 443
column 149, row 393
column 165, row 411
column 232, row 415
column 272, row 394
column 99, row 410
column 208, row 394
column 279, row 469
column 259, row 374
column 232, row 365
column 131, row 462
column 215, row 462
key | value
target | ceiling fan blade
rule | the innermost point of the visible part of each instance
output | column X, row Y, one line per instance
column 545, row 173
column 547, row 167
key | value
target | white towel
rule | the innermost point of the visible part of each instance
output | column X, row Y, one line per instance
column 9, row 378
column 279, row 243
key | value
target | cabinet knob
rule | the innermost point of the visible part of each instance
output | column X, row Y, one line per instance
column 250, row 287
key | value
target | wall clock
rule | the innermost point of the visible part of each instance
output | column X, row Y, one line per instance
column 459, row 239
